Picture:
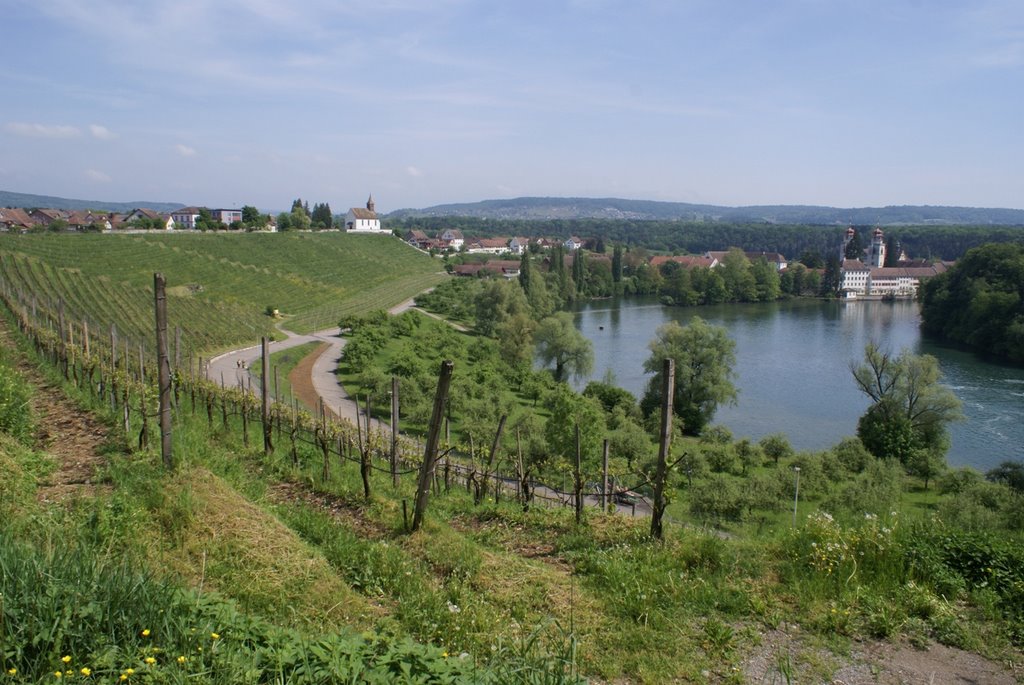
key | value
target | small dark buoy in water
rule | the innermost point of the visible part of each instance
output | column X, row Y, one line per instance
column 600, row 328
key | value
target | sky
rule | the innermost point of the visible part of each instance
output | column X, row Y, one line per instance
column 224, row 103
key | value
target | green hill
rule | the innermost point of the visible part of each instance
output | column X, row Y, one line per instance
column 220, row 285
column 9, row 199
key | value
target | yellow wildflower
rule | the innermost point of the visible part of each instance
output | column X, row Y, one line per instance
column 86, row 671
column 150, row 660
column 66, row 659
column 145, row 633
column 181, row 659
column 58, row 674
column 123, row 677
column 129, row 671
column 12, row 671
column 444, row 654
column 215, row 636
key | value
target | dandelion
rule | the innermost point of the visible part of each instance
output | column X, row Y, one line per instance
column 181, row 659
column 145, row 633
column 58, row 674
column 12, row 671
column 66, row 659
column 150, row 660
column 444, row 654
column 86, row 671
column 215, row 636
column 129, row 671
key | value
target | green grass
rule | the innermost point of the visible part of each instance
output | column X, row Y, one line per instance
column 291, row 561
column 219, row 286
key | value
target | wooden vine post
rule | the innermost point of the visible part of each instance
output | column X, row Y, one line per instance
column 268, row 426
column 163, row 365
column 668, row 382
column 577, row 479
column 430, row 451
column 394, row 431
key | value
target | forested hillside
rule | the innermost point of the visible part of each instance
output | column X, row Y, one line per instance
column 980, row 302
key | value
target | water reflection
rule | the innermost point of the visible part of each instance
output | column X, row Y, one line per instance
column 793, row 369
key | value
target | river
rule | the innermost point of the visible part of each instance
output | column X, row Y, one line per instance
column 793, row 369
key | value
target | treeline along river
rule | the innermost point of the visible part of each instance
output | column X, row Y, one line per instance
column 793, row 369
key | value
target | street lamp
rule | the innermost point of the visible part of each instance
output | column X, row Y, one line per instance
column 796, row 493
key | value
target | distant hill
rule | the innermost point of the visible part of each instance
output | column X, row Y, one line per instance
column 9, row 199
column 547, row 208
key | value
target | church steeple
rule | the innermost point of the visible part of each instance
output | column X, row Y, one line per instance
column 369, row 203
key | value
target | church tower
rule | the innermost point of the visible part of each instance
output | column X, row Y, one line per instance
column 877, row 254
column 369, row 204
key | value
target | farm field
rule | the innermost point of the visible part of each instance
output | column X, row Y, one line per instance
column 219, row 285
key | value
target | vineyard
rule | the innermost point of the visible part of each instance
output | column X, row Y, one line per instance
column 221, row 285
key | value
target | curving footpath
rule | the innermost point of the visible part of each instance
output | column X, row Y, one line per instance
column 234, row 369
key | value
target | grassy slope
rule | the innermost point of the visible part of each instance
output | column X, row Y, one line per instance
column 220, row 285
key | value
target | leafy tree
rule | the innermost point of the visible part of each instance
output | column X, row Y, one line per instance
column 284, row 222
column 852, row 455
column 559, row 343
column 892, row 251
column 321, row 216
column 299, row 206
column 498, row 301
column 617, row 263
column 515, row 339
column 854, row 248
column 205, row 221
column 1009, row 473
column 704, row 356
column 812, row 259
column 776, row 447
column 830, row 279
column 250, row 216
column 926, row 464
column 766, row 280
column 300, row 220
column 911, row 408
column 739, row 281
column 569, row 409
column 525, row 275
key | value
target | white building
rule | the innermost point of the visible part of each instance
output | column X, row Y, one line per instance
column 359, row 220
column 185, row 218
column 454, row 238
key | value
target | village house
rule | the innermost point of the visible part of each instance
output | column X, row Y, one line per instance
column 226, row 216
column 505, row 268
column 518, row 245
column 773, row 258
column 487, row 246
column 15, row 219
column 452, row 238
column 185, row 218
column 573, row 243
column 685, row 261
column 359, row 220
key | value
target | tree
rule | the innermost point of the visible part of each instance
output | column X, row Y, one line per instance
column 739, row 281
column 205, row 221
column 559, row 343
column 911, row 408
column 776, row 446
column 892, row 251
column 1009, row 473
column 322, row 217
column 498, row 301
column 854, row 248
column 250, row 216
column 766, row 280
column 617, row 264
column 704, row 356
column 811, row 259
column 525, row 275
column 284, row 222
column 830, row 279
column 300, row 220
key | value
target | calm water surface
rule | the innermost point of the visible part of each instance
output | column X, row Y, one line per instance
column 793, row 369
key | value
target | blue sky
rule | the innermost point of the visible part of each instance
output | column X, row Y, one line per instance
column 232, row 102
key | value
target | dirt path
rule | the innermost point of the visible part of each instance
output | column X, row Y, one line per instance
column 301, row 379
column 72, row 436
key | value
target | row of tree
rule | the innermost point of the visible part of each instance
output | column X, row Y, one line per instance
column 685, row 237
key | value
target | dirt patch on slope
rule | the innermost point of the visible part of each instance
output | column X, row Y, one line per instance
column 301, row 379
column 72, row 436
column 786, row 652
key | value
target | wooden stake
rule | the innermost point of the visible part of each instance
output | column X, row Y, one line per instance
column 268, row 427
column 163, row 370
column 430, row 451
column 668, row 373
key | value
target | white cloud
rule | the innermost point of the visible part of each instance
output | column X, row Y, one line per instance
column 101, row 132
column 41, row 130
column 185, row 150
column 97, row 176
column 413, row 171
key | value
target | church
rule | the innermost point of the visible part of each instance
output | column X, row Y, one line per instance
column 359, row 220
